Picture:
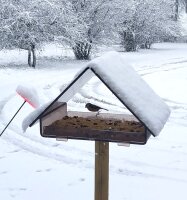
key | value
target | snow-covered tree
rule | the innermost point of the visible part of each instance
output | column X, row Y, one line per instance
column 185, row 3
column 83, row 23
column 7, row 14
column 94, row 22
column 144, row 22
column 27, row 25
column 21, row 27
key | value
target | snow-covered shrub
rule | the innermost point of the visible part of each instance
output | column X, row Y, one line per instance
column 95, row 21
column 143, row 22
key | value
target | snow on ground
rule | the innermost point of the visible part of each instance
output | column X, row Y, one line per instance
column 32, row 167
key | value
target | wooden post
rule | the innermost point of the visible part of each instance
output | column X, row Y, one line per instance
column 101, row 170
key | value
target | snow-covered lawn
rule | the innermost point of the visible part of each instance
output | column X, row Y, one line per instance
column 32, row 167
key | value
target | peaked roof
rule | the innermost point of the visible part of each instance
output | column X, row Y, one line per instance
column 125, row 83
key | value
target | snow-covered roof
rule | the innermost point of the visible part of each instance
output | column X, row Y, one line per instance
column 126, row 84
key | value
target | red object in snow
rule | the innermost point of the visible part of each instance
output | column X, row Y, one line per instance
column 27, row 100
column 29, row 94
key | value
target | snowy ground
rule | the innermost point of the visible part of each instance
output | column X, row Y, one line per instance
column 32, row 167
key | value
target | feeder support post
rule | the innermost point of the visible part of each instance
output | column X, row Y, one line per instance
column 101, row 170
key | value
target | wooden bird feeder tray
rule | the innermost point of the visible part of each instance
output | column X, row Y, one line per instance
column 58, row 123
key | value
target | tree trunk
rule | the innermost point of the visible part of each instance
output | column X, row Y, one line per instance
column 129, row 41
column 185, row 1
column 147, row 45
column 176, row 9
column 29, row 57
column 82, row 51
column 33, row 56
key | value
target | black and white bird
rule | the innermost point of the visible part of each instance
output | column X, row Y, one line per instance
column 94, row 108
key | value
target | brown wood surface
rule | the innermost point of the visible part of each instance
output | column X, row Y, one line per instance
column 101, row 170
column 97, row 135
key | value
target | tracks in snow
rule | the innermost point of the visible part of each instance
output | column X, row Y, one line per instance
column 148, row 70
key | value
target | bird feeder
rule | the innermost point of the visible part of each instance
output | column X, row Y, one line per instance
column 61, row 124
column 149, row 113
